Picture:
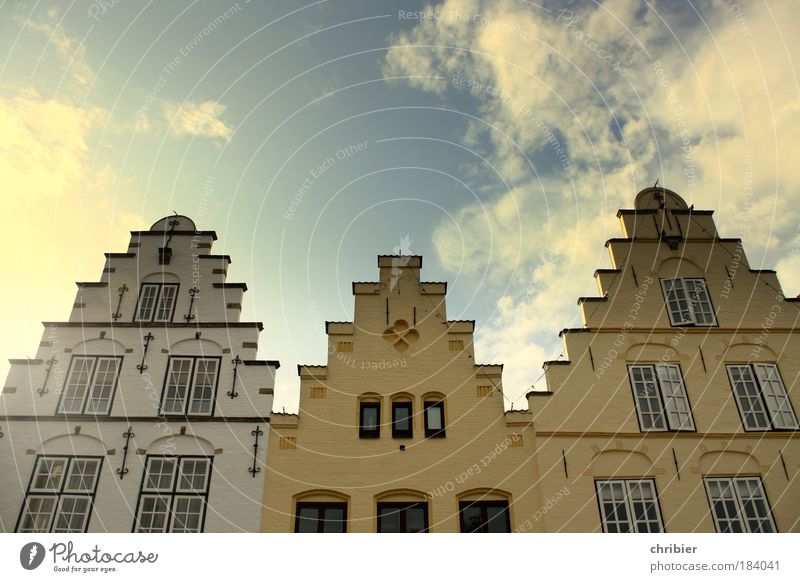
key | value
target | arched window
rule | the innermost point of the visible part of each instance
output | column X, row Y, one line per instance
column 402, row 511
column 369, row 416
column 402, row 416
column 484, row 511
column 434, row 415
column 320, row 511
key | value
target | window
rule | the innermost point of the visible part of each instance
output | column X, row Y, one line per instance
column 434, row 419
column 761, row 397
column 60, row 495
column 403, row 517
column 484, row 517
column 321, row 518
column 156, row 302
column 90, row 385
column 739, row 504
column 190, row 386
column 629, row 505
column 688, row 302
column 661, row 400
column 174, row 494
column 401, row 420
column 370, row 420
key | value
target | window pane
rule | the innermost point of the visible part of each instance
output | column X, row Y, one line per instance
column 82, row 475
column 648, row 401
column 471, row 519
column 676, row 403
column 700, row 301
column 307, row 519
column 748, row 398
column 177, row 385
column 754, row 507
column 105, row 377
column 49, row 474
column 677, row 302
column 37, row 515
column 147, row 301
column 778, row 405
column 369, row 417
column 205, row 379
column 194, row 473
column 73, row 513
column 433, row 417
column 333, row 520
column 724, row 505
column 187, row 514
column 497, row 521
column 153, row 513
column 77, row 384
column 160, row 474
column 415, row 519
column 402, row 417
column 166, row 302
column 390, row 519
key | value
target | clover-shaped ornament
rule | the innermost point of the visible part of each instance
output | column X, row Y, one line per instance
column 400, row 335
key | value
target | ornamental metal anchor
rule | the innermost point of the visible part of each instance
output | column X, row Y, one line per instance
column 122, row 471
column 146, row 339
column 235, row 361
column 121, row 290
column 192, row 292
column 50, row 363
column 255, row 469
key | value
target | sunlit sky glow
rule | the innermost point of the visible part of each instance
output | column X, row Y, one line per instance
column 496, row 138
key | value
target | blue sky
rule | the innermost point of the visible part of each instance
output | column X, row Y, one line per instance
column 497, row 139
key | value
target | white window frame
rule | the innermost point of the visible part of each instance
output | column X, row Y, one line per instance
column 674, row 408
column 60, row 491
column 90, row 390
column 766, row 396
column 630, row 488
column 690, row 297
column 155, row 309
column 174, row 494
column 739, row 497
column 190, row 389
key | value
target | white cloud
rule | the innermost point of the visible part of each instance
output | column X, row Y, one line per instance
column 565, row 82
column 197, row 118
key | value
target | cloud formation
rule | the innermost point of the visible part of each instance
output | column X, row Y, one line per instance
column 197, row 119
column 581, row 109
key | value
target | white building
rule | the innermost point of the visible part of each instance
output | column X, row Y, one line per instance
column 146, row 410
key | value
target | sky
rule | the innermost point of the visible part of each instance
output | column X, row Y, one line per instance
column 495, row 138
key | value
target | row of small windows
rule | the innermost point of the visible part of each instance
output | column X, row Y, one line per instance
column 173, row 495
column 402, row 421
column 738, row 505
column 663, row 405
column 404, row 517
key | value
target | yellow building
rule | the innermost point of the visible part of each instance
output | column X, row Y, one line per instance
column 401, row 431
column 675, row 409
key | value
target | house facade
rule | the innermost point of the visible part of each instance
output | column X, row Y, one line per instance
column 401, row 430
column 676, row 406
column 147, row 409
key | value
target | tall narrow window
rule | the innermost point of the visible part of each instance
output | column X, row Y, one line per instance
column 174, row 494
column 60, row 495
column 661, row 400
column 761, row 397
column 739, row 504
column 190, row 386
column 401, row 420
column 370, row 420
column 403, row 517
column 156, row 302
column 484, row 517
column 434, row 419
column 321, row 518
column 90, row 385
column 688, row 302
column 629, row 505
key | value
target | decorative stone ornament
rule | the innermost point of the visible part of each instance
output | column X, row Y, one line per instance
column 400, row 335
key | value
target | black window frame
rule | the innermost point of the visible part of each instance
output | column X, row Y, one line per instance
column 61, row 489
column 320, row 519
column 398, row 433
column 763, row 399
column 90, row 385
column 363, row 432
column 433, row 433
column 402, row 506
column 174, row 491
column 483, row 505
column 152, row 318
